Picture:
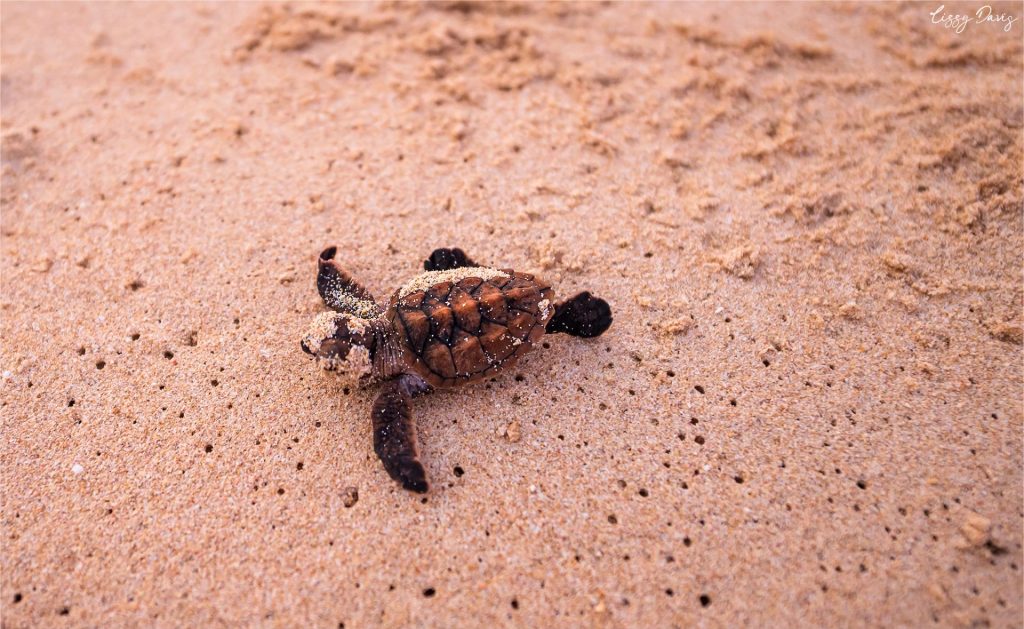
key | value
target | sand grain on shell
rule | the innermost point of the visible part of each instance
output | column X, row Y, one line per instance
column 432, row 278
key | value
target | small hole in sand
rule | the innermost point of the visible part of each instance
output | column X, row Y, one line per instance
column 208, row 448
column 705, row 600
column 699, row 439
column 458, row 471
column 429, row 592
column 81, row 351
column 280, row 491
column 71, row 403
column 168, row 354
column 738, row 479
column 349, row 497
column 669, row 592
column 515, row 604
column 732, row 402
column 100, row 364
column 670, row 373
column 64, row 611
column 214, row 382
column 862, row 484
column 699, row 389
column 643, row 493
column 299, row 465
column 687, row 541
column 135, row 336
column 17, row 597
column 612, row 519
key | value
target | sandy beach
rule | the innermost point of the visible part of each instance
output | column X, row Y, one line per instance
column 807, row 219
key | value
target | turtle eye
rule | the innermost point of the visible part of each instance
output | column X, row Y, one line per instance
column 333, row 348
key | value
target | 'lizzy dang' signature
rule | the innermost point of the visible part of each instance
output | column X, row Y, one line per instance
column 959, row 22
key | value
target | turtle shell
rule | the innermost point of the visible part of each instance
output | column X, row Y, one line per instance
column 466, row 324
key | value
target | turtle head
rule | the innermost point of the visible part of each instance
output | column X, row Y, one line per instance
column 343, row 343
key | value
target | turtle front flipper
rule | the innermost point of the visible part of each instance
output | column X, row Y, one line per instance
column 447, row 259
column 340, row 292
column 584, row 315
column 394, row 433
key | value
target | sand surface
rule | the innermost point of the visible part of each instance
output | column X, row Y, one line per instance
column 807, row 219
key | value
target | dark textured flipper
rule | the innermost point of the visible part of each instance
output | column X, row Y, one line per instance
column 584, row 315
column 445, row 259
column 394, row 433
column 339, row 291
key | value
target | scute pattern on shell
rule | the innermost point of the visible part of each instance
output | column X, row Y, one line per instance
column 456, row 332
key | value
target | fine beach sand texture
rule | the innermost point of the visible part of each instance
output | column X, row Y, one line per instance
column 807, row 219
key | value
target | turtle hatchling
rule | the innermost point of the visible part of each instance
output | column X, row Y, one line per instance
column 456, row 323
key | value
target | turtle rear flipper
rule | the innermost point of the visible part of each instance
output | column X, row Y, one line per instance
column 394, row 433
column 340, row 292
column 447, row 259
column 584, row 315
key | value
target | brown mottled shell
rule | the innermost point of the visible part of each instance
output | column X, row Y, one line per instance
column 452, row 333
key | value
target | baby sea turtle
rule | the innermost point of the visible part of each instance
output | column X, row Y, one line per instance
column 459, row 322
